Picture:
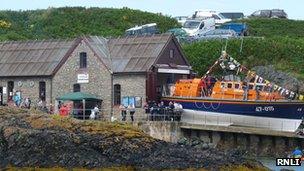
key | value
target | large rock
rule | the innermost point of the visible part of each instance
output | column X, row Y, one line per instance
column 282, row 79
column 39, row 140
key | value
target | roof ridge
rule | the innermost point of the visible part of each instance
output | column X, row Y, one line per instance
column 37, row 40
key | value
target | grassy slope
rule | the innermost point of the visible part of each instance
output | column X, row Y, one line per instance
column 275, row 27
column 75, row 21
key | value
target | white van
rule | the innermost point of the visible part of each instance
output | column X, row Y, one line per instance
column 218, row 17
column 147, row 29
column 195, row 27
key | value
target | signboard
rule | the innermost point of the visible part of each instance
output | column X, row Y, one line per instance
column 136, row 101
column 82, row 78
column 4, row 95
column 125, row 101
column 174, row 71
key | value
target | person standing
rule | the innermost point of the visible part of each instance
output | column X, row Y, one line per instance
column 1, row 103
column 96, row 111
column 123, row 112
column 131, row 109
column 27, row 103
column 17, row 99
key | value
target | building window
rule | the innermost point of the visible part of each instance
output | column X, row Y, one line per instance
column 42, row 90
column 117, row 94
column 171, row 53
column 83, row 60
column 10, row 89
column 76, row 88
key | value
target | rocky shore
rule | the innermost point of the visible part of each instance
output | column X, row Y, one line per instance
column 33, row 139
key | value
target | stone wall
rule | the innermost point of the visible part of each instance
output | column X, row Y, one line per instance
column 99, row 77
column 166, row 131
column 27, row 88
column 131, row 85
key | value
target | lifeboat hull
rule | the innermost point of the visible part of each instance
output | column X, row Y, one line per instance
column 274, row 115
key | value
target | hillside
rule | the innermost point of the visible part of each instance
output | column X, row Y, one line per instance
column 75, row 21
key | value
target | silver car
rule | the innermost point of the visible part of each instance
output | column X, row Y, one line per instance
column 216, row 34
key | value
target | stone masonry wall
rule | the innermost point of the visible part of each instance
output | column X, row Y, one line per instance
column 99, row 77
column 131, row 85
column 28, row 90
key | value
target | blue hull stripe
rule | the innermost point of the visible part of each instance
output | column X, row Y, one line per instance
column 288, row 110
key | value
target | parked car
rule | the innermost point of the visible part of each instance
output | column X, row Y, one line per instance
column 274, row 13
column 194, row 27
column 240, row 28
column 179, row 33
column 181, row 19
column 218, row 17
column 215, row 34
column 147, row 29
column 233, row 15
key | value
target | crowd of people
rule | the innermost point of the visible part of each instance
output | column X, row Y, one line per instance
column 160, row 111
column 16, row 100
column 155, row 111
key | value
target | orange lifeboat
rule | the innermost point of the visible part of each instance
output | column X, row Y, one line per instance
column 225, row 90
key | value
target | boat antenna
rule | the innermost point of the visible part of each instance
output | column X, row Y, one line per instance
column 241, row 47
column 226, row 45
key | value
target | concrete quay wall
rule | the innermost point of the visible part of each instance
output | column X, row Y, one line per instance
column 273, row 145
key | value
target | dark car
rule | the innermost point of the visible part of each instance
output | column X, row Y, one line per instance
column 274, row 13
column 233, row 15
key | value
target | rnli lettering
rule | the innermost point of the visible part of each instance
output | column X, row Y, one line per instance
column 264, row 108
column 288, row 162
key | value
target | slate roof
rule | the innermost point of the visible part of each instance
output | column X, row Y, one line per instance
column 32, row 58
column 129, row 54
column 135, row 54
column 44, row 57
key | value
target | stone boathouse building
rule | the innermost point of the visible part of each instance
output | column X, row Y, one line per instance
column 119, row 70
